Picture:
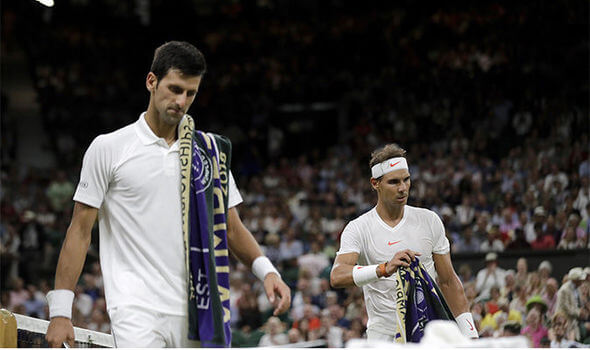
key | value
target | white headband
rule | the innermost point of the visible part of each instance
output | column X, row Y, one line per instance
column 387, row 166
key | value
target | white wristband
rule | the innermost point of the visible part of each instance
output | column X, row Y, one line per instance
column 466, row 325
column 262, row 266
column 362, row 275
column 60, row 303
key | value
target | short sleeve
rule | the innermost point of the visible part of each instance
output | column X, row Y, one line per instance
column 349, row 240
column 440, row 242
column 95, row 174
column 234, row 197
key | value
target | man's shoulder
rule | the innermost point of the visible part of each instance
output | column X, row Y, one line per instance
column 364, row 217
column 421, row 212
column 114, row 138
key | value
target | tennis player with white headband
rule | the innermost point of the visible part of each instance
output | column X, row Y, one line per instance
column 390, row 235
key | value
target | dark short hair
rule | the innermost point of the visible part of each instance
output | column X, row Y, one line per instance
column 178, row 55
column 512, row 327
column 384, row 153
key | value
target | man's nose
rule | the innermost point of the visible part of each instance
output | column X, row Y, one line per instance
column 181, row 100
column 402, row 186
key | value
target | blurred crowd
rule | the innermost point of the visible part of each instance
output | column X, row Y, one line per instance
column 495, row 122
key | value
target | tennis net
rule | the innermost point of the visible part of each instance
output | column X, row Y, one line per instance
column 31, row 334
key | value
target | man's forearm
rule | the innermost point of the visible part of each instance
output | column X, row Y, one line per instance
column 71, row 259
column 341, row 276
column 240, row 240
column 455, row 296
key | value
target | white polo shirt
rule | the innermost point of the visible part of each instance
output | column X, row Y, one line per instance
column 375, row 241
column 133, row 178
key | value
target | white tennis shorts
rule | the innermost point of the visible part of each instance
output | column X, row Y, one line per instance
column 376, row 335
column 138, row 327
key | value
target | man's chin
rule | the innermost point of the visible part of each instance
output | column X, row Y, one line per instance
column 172, row 118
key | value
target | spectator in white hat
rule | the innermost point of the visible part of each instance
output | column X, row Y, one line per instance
column 538, row 217
column 544, row 270
column 569, row 301
column 490, row 276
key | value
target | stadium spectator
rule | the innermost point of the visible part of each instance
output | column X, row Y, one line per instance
column 533, row 284
column 309, row 323
column 519, row 242
column 569, row 240
column 544, row 239
column 511, row 329
column 490, row 276
column 271, row 247
column 291, row 246
column 248, row 307
column 329, row 331
column 18, row 294
column 507, row 291
column 273, row 333
column 466, row 242
column 518, row 302
column 32, row 246
column 9, row 253
column 522, row 270
column 534, row 329
column 465, row 273
column 560, row 334
column 493, row 241
column 569, row 301
column 314, row 261
column 556, row 176
column 576, row 236
column 60, row 192
column 35, row 305
column 550, row 295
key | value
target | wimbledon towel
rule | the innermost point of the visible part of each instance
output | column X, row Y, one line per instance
column 205, row 162
column 418, row 301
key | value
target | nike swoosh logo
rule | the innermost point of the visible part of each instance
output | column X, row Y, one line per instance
column 394, row 164
column 359, row 267
column 392, row 243
column 470, row 325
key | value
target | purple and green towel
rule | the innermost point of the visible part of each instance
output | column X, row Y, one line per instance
column 205, row 163
column 419, row 301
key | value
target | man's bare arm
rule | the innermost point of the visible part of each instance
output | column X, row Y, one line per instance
column 341, row 274
column 69, row 267
column 453, row 292
column 450, row 284
column 75, row 246
column 240, row 240
column 342, row 271
column 243, row 245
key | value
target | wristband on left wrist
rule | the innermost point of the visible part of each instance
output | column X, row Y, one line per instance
column 262, row 266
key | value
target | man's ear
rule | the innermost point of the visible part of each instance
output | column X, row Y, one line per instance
column 374, row 184
column 151, row 81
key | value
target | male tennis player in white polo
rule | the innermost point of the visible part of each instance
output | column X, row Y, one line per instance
column 390, row 235
column 132, row 180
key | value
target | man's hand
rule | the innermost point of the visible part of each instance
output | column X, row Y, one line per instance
column 278, row 293
column 60, row 330
column 401, row 258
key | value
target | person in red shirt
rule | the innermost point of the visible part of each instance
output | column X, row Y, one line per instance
column 543, row 240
